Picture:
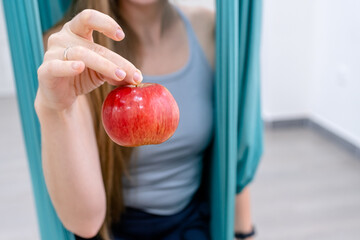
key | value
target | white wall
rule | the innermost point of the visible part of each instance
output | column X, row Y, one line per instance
column 285, row 54
column 6, row 73
column 311, row 63
column 335, row 88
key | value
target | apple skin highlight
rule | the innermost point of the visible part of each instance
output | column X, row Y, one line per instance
column 140, row 115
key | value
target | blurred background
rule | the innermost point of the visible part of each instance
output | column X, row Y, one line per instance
column 308, row 184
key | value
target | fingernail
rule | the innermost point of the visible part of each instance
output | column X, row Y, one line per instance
column 120, row 74
column 137, row 76
column 75, row 65
column 120, row 34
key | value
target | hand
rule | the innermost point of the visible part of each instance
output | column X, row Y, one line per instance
column 88, row 65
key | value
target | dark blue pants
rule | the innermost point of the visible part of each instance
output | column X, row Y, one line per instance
column 192, row 223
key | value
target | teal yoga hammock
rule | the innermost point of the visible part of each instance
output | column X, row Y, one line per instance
column 239, row 129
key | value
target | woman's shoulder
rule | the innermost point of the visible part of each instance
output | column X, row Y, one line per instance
column 199, row 14
column 203, row 22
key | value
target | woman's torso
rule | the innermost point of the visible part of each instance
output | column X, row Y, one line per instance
column 163, row 178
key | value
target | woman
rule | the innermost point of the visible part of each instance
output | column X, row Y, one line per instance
column 96, row 186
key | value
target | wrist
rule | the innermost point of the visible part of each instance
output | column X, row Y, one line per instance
column 244, row 226
column 46, row 112
column 243, row 220
column 240, row 235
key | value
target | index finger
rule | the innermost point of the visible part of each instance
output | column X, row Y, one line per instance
column 88, row 20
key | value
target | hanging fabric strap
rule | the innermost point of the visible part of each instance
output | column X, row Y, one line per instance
column 238, row 135
column 25, row 38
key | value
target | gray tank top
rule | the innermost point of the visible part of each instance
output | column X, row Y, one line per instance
column 163, row 178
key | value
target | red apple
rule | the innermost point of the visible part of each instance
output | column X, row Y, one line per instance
column 140, row 115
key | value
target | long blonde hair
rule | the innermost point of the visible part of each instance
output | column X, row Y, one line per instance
column 114, row 159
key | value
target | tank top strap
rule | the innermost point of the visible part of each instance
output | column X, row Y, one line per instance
column 194, row 44
column 188, row 26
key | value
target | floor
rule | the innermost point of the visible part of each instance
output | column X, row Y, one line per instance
column 17, row 208
column 307, row 187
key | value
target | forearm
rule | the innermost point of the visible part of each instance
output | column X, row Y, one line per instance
column 243, row 220
column 71, row 167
